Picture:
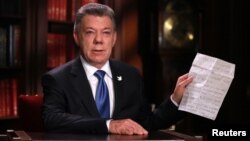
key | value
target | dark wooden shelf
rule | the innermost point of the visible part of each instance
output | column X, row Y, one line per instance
column 60, row 26
column 7, row 19
column 6, row 72
column 11, row 67
column 9, row 117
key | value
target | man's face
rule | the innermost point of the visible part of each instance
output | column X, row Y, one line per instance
column 96, row 39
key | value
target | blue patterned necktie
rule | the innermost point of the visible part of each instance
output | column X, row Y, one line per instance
column 102, row 95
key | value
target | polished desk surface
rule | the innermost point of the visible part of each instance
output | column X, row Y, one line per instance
column 166, row 135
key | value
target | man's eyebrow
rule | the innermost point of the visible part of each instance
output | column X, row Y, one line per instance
column 107, row 28
column 89, row 28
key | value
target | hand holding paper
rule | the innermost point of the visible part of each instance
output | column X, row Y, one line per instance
column 211, row 80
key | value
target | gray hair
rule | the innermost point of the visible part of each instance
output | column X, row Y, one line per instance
column 93, row 9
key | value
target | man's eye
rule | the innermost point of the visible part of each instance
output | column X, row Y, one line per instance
column 89, row 32
column 107, row 32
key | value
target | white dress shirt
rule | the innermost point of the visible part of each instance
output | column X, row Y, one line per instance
column 93, row 81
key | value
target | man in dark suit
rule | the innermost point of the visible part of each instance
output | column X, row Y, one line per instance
column 70, row 90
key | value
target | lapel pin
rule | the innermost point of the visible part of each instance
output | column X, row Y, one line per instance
column 119, row 78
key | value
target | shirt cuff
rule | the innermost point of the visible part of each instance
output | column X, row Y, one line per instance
column 107, row 123
column 175, row 103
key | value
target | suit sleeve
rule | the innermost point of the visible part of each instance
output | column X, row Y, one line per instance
column 55, row 115
column 162, row 117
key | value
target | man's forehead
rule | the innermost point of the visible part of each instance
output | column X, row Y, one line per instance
column 97, row 21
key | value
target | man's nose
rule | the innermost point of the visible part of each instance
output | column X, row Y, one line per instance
column 98, row 38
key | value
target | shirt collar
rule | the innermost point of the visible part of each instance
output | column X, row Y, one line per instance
column 90, row 70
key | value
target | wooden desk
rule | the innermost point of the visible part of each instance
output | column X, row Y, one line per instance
column 159, row 135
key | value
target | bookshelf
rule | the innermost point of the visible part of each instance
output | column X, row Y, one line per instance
column 35, row 36
column 12, row 17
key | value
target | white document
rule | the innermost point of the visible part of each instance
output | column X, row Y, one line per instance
column 211, row 80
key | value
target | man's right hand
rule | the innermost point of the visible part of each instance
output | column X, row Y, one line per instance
column 126, row 127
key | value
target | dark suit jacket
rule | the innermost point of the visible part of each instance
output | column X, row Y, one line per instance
column 69, row 105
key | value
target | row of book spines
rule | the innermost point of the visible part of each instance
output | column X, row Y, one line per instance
column 58, row 51
column 57, row 9
column 10, row 45
column 8, row 97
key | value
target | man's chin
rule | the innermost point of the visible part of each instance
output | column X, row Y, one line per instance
column 98, row 63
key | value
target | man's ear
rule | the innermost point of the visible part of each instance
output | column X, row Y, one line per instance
column 76, row 38
column 114, row 39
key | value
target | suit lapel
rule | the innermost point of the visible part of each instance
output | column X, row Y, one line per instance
column 118, row 87
column 80, row 83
